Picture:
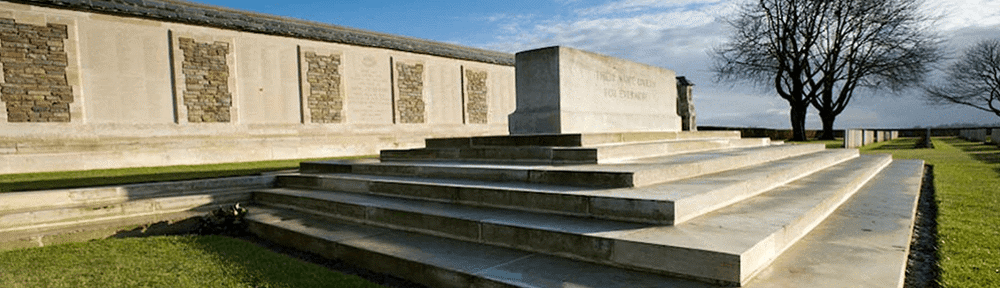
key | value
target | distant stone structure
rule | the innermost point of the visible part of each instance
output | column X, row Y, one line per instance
column 685, row 104
column 564, row 90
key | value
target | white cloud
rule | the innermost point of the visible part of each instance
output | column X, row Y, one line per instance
column 677, row 35
column 966, row 13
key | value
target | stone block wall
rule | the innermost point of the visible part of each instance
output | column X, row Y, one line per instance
column 206, row 77
column 476, row 99
column 410, row 97
column 326, row 103
column 34, row 60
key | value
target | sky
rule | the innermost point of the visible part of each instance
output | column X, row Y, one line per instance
column 672, row 34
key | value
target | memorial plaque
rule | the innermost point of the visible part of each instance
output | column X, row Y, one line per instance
column 564, row 90
column 370, row 100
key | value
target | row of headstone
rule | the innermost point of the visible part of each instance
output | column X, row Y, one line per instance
column 975, row 135
column 854, row 138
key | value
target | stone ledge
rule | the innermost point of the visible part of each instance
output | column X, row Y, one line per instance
column 206, row 15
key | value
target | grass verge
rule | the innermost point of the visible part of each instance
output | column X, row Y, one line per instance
column 103, row 177
column 164, row 261
column 967, row 190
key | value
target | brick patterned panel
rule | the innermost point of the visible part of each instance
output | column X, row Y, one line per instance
column 326, row 105
column 476, row 106
column 206, row 80
column 34, row 69
column 410, row 84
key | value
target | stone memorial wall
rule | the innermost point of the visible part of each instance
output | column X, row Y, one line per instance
column 147, row 83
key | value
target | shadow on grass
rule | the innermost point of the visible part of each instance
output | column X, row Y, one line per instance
column 982, row 152
column 903, row 145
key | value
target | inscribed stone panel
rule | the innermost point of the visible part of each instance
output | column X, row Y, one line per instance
column 34, row 60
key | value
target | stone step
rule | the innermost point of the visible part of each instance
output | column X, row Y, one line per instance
column 859, row 245
column 725, row 246
column 574, row 140
column 603, row 153
column 26, row 221
column 666, row 203
column 636, row 173
column 441, row 262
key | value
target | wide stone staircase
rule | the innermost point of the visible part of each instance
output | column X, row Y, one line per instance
column 654, row 209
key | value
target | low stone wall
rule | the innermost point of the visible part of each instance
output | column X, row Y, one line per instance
column 125, row 83
column 42, row 218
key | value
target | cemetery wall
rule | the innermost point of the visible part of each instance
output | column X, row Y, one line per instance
column 108, row 84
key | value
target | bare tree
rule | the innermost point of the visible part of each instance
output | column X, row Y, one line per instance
column 872, row 44
column 819, row 51
column 973, row 80
column 772, row 44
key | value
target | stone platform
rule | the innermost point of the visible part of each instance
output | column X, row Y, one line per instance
column 668, row 209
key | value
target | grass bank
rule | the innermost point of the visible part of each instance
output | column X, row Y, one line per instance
column 164, row 261
column 104, row 177
column 967, row 183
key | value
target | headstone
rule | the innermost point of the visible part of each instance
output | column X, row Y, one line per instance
column 562, row 90
column 853, row 138
column 869, row 137
column 685, row 104
column 995, row 136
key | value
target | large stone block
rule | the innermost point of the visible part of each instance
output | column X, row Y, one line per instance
column 564, row 90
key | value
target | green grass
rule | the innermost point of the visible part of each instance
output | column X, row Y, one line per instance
column 103, row 177
column 967, row 183
column 164, row 261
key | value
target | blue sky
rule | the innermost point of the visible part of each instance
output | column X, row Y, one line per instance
column 673, row 34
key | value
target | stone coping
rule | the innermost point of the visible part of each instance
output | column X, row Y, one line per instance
column 207, row 15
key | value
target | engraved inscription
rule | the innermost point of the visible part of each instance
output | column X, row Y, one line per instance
column 370, row 100
column 623, row 83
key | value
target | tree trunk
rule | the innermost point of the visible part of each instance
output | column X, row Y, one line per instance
column 828, row 133
column 799, row 121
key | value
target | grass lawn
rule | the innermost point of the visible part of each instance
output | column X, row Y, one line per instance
column 967, row 183
column 104, row 177
column 164, row 261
